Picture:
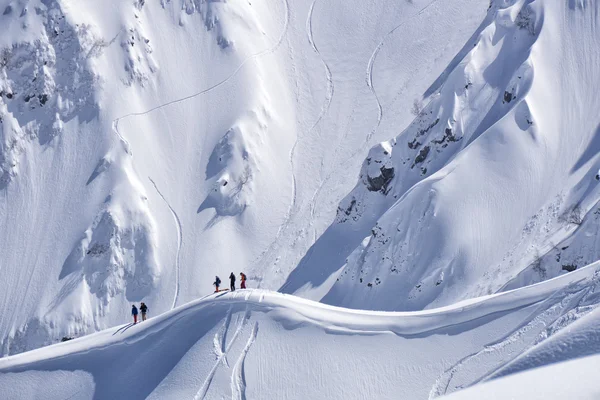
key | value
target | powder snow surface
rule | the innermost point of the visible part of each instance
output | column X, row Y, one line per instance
column 147, row 146
column 258, row 344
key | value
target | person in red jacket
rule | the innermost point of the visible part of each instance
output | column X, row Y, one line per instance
column 243, row 280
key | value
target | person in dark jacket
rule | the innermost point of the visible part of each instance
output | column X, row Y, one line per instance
column 217, row 282
column 242, row 280
column 144, row 310
column 134, row 312
column 232, row 281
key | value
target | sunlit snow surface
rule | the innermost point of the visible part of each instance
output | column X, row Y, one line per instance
column 147, row 146
column 264, row 345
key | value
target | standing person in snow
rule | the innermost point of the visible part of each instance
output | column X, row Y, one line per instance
column 217, row 283
column 243, row 280
column 134, row 312
column 232, row 281
column 144, row 310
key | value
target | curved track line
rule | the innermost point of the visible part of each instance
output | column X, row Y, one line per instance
column 272, row 49
column 201, row 394
column 216, row 85
column 369, row 80
column 371, row 63
column 549, row 311
column 232, row 75
column 238, row 377
column 179, row 243
column 330, row 86
column 324, row 110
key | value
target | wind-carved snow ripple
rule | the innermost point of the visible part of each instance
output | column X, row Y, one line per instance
column 179, row 242
column 545, row 320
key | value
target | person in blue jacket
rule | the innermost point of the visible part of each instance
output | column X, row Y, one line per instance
column 134, row 312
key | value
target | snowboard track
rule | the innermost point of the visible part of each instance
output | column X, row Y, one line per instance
column 269, row 50
column 127, row 146
column 238, row 377
column 179, row 243
column 543, row 316
column 220, row 343
column 369, row 81
column 371, row 63
column 292, row 209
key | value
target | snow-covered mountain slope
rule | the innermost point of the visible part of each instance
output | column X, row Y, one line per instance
column 574, row 379
column 148, row 145
column 493, row 186
column 260, row 344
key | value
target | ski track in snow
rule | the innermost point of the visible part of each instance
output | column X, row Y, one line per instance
column 371, row 63
column 179, row 243
column 238, row 377
column 369, row 80
column 209, row 89
column 123, row 328
column 515, row 342
column 221, row 349
column 272, row 49
column 330, row 86
column 291, row 212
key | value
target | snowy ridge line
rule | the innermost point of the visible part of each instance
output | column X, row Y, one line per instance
column 224, row 80
column 371, row 63
column 335, row 319
column 179, row 243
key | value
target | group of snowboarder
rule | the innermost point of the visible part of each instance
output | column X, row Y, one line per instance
column 134, row 312
column 217, row 282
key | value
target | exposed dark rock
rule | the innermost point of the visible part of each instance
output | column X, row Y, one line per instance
column 43, row 98
column 421, row 132
column 422, row 155
column 414, row 144
column 569, row 267
column 380, row 183
column 508, row 97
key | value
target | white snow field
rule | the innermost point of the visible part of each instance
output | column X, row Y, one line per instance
column 570, row 380
column 149, row 145
column 258, row 344
column 495, row 184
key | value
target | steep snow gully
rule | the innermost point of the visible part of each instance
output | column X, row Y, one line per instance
column 189, row 347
